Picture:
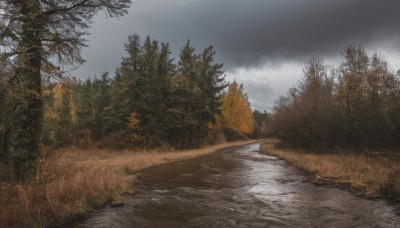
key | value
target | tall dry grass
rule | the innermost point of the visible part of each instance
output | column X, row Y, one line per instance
column 372, row 174
column 76, row 181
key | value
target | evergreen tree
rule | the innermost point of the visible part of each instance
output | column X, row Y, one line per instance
column 101, row 97
column 6, row 115
column 39, row 36
column 63, row 130
column 146, row 103
column 188, row 95
column 150, row 101
column 210, row 82
column 163, row 90
column 84, row 112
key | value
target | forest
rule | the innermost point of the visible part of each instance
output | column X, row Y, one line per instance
column 151, row 102
column 355, row 106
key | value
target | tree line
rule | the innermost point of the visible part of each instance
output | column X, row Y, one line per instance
column 152, row 101
column 356, row 106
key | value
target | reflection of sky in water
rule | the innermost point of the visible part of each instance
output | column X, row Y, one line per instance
column 265, row 178
column 275, row 183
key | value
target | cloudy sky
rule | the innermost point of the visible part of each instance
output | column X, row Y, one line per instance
column 263, row 43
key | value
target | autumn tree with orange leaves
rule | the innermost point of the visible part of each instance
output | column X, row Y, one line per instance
column 236, row 110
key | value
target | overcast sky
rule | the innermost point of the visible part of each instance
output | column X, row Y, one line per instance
column 263, row 43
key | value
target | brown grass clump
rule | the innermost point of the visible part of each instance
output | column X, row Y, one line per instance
column 76, row 181
column 372, row 174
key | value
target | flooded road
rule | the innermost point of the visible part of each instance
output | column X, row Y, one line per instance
column 239, row 188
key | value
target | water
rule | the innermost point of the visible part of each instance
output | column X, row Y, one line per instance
column 239, row 188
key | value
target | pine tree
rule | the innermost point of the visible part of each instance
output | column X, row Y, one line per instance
column 187, row 94
column 163, row 91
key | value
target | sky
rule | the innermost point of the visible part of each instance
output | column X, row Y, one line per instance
column 262, row 43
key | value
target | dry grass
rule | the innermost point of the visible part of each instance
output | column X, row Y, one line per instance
column 372, row 174
column 77, row 181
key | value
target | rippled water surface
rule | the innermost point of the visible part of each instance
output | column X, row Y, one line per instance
column 239, row 188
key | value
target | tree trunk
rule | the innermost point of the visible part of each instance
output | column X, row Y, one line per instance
column 26, row 145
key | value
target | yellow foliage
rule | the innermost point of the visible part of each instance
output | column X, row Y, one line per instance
column 57, row 93
column 134, row 121
column 236, row 111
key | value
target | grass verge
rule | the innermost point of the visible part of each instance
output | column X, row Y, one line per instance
column 369, row 174
column 77, row 181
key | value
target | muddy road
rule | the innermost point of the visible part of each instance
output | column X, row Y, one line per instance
column 239, row 188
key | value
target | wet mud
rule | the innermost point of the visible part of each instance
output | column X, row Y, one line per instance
column 238, row 188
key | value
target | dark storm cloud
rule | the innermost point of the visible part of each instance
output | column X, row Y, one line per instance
column 250, row 32
column 263, row 38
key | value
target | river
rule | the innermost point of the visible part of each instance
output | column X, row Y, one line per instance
column 238, row 188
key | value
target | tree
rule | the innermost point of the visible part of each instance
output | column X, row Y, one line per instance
column 211, row 81
column 6, row 102
column 365, row 91
column 259, row 124
column 83, row 100
column 40, row 36
column 101, row 97
column 351, row 91
column 197, row 89
column 63, row 130
column 186, row 91
column 141, row 90
column 236, row 110
column 356, row 107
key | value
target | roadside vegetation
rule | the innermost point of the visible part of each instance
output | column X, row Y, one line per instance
column 355, row 106
column 370, row 174
column 343, row 124
column 76, row 181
